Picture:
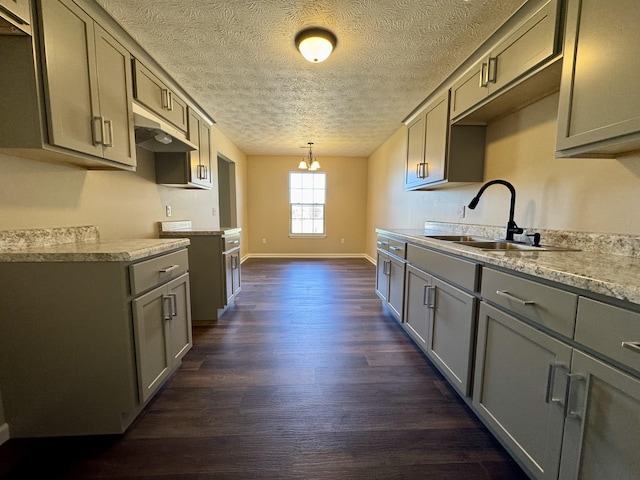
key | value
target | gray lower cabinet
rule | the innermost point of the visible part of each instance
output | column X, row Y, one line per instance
column 599, row 105
column 89, row 342
column 441, row 319
column 519, row 386
column 163, row 332
column 390, row 271
column 602, row 430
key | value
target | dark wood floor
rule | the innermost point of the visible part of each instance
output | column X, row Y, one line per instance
column 305, row 378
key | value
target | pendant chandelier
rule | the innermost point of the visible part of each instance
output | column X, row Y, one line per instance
column 309, row 162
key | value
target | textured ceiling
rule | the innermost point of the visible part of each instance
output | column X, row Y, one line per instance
column 238, row 60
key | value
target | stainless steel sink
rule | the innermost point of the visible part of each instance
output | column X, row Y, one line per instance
column 457, row 238
column 510, row 246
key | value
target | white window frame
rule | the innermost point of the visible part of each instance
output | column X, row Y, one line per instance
column 313, row 204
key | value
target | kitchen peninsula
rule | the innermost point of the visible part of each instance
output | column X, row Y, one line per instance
column 92, row 328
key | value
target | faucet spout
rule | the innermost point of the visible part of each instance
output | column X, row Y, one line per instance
column 512, row 228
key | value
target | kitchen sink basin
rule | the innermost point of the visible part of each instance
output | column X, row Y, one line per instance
column 511, row 246
column 456, row 238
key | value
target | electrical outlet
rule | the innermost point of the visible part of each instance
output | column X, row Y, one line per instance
column 168, row 210
column 461, row 211
column 342, row 240
column 264, row 241
column 213, row 211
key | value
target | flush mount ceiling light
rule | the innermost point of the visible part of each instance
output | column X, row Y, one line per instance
column 315, row 44
column 309, row 162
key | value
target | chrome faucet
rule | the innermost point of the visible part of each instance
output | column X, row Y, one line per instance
column 512, row 228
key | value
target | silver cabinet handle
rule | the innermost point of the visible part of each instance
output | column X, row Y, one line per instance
column 492, row 70
column 109, row 123
column 484, row 75
column 170, row 101
column 235, row 242
column 98, row 130
column 166, row 311
column 551, row 380
column 165, row 99
column 430, row 296
column 395, row 249
column 382, row 243
column 633, row 346
column 201, row 172
column 168, row 269
column 386, row 267
column 573, row 409
column 174, row 304
column 507, row 295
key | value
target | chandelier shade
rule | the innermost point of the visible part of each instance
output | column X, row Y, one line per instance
column 315, row 44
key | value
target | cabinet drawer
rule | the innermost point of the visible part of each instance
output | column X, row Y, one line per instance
column 231, row 241
column 454, row 270
column 547, row 306
column 397, row 248
column 148, row 274
column 382, row 243
column 604, row 328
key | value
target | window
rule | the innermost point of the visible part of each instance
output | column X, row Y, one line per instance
column 307, row 199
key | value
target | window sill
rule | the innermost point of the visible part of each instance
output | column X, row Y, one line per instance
column 309, row 235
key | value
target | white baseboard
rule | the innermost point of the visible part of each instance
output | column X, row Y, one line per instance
column 4, row 433
column 306, row 255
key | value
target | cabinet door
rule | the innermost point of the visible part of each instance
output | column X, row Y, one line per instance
column 71, row 81
column 180, row 333
column 114, row 87
column 427, row 147
column 150, row 313
column 418, row 308
column 395, row 299
column 435, row 140
column 530, row 45
column 153, row 93
column 199, row 160
column 415, row 153
column 599, row 95
column 382, row 280
column 451, row 334
column 469, row 89
column 228, row 273
column 519, row 387
column 602, row 431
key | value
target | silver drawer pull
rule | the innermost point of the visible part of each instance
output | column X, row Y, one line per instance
column 168, row 269
column 507, row 295
column 395, row 248
column 633, row 346
column 381, row 243
column 235, row 242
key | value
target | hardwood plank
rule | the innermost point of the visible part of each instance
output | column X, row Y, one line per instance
column 305, row 377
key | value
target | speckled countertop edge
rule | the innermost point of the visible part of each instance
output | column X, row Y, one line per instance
column 78, row 244
column 616, row 276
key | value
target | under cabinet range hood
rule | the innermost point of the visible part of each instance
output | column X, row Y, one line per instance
column 154, row 134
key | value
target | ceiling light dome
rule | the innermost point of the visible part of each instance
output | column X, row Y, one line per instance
column 316, row 44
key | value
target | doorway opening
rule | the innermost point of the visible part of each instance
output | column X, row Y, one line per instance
column 227, row 192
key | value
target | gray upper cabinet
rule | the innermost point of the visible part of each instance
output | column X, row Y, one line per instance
column 156, row 95
column 599, row 107
column 531, row 44
column 188, row 169
column 15, row 17
column 439, row 154
column 88, row 85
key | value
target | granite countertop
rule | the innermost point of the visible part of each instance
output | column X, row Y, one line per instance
column 78, row 244
column 184, row 227
column 600, row 272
